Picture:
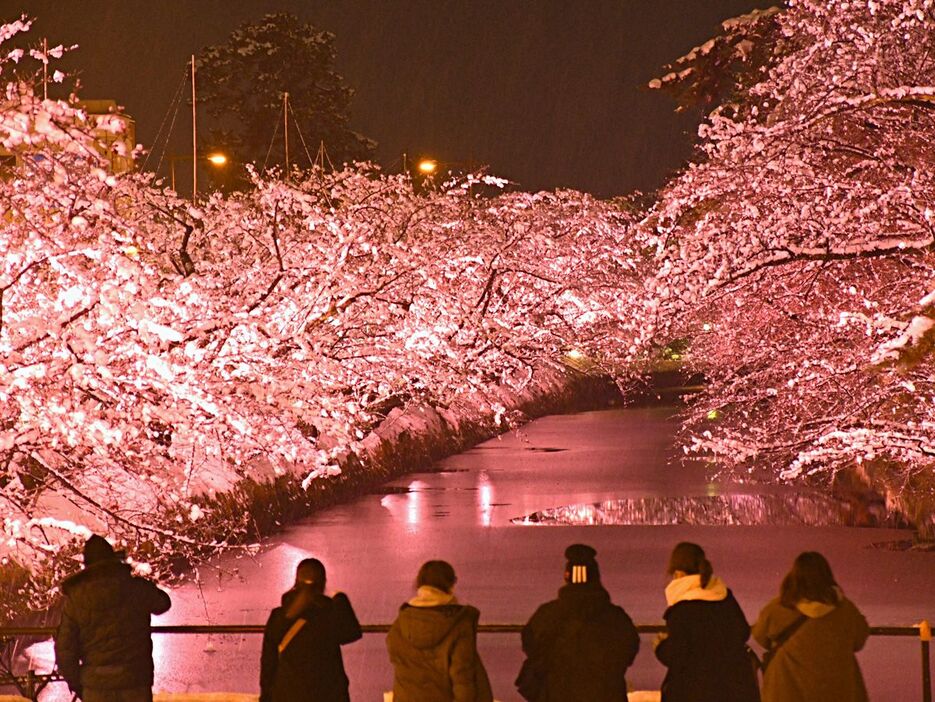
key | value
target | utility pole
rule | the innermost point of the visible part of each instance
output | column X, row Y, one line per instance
column 45, row 68
column 285, row 128
column 194, row 137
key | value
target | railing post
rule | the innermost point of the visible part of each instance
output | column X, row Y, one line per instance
column 925, row 636
column 30, row 685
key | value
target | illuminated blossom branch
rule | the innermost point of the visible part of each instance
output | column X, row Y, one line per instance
column 797, row 254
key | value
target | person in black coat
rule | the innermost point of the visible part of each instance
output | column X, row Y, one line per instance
column 704, row 648
column 103, row 647
column 579, row 646
column 301, row 659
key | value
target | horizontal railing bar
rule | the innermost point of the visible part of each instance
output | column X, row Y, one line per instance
column 46, row 631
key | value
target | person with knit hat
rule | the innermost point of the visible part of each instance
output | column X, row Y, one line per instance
column 704, row 647
column 578, row 647
column 103, row 647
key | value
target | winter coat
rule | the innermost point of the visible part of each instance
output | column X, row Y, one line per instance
column 580, row 646
column 705, row 651
column 816, row 663
column 310, row 668
column 433, row 649
column 103, row 641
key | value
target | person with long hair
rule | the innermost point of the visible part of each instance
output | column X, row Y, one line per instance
column 433, row 643
column 301, row 657
column 811, row 632
column 704, row 647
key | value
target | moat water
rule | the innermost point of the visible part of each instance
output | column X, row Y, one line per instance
column 503, row 512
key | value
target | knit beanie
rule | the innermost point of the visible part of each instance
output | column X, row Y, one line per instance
column 581, row 567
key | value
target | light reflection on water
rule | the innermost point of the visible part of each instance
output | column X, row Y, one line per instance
column 484, row 499
column 721, row 510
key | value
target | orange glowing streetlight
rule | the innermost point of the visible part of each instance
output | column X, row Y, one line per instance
column 427, row 166
column 215, row 158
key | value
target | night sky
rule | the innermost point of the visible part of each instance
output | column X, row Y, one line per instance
column 548, row 93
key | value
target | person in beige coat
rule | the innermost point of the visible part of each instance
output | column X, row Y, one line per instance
column 821, row 629
column 433, row 644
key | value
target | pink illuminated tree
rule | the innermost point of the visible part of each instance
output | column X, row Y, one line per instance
column 797, row 253
column 155, row 354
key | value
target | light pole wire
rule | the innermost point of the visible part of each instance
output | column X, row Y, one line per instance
column 273, row 139
column 301, row 137
column 174, row 110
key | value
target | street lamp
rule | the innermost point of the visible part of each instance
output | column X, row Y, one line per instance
column 427, row 166
column 216, row 159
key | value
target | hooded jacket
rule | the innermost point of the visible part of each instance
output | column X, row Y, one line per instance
column 310, row 668
column 816, row 663
column 433, row 649
column 580, row 646
column 705, row 650
column 103, row 641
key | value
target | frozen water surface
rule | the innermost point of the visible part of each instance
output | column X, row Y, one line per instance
column 614, row 462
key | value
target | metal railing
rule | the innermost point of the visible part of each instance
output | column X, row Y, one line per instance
column 31, row 683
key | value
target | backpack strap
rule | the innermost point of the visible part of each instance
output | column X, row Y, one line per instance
column 787, row 633
column 293, row 630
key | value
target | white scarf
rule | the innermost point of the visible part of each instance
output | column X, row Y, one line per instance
column 689, row 587
column 428, row 596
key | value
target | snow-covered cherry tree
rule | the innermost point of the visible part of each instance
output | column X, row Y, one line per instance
column 797, row 252
column 155, row 355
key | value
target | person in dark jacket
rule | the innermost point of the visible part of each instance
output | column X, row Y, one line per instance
column 103, row 647
column 704, row 648
column 820, row 630
column 301, row 659
column 433, row 644
column 579, row 646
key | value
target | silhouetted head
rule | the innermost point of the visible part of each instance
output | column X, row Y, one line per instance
column 311, row 572
column 810, row 579
column 581, row 566
column 437, row 574
column 689, row 559
column 97, row 549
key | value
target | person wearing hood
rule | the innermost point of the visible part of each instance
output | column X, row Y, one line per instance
column 704, row 647
column 301, row 656
column 813, row 632
column 579, row 646
column 103, row 646
column 433, row 644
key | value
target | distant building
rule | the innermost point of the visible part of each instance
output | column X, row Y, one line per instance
column 114, row 134
column 121, row 158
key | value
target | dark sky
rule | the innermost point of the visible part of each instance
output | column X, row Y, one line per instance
column 547, row 92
